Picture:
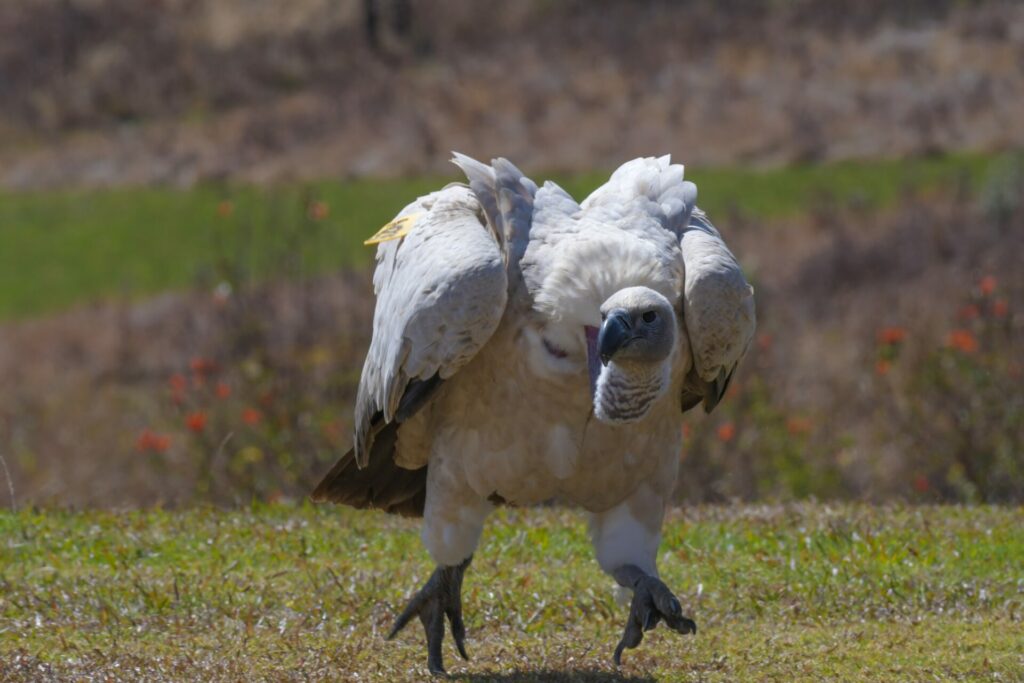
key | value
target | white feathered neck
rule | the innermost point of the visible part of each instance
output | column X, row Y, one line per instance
column 587, row 267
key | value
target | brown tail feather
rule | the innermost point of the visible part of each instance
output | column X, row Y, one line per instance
column 381, row 485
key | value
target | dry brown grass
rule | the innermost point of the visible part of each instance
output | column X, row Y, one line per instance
column 89, row 381
column 809, row 414
column 827, row 289
column 106, row 92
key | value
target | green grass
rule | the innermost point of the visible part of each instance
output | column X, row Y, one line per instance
column 797, row 593
column 61, row 248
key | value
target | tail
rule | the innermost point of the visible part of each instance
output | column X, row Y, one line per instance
column 381, row 485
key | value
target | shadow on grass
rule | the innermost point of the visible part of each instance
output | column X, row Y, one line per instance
column 552, row 676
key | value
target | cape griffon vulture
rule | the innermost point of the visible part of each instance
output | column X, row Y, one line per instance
column 527, row 347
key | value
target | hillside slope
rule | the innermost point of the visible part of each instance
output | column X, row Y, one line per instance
column 110, row 92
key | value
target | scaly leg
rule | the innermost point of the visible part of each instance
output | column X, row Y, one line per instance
column 441, row 596
column 652, row 601
column 453, row 518
column 626, row 539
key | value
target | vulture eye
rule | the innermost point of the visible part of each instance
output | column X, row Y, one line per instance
column 650, row 316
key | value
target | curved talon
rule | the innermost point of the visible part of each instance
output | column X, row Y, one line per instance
column 652, row 602
column 440, row 596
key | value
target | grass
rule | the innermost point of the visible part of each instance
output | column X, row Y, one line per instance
column 795, row 593
column 61, row 248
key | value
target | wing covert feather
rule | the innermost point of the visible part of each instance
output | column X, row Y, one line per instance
column 718, row 303
column 441, row 292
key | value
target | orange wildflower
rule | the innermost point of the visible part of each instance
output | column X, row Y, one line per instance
column 143, row 441
column 892, row 335
column 969, row 312
column 798, row 425
column 921, row 484
column 251, row 416
column 1000, row 308
column 222, row 390
column 726, row 432
column 196, row 421
column 151, row 441
column 882, row 367
column 202, row 366
column 178, row 384
column 318, row 210
column 225, row 208
column 987, row 285
column 332, row 430
column 962, row 340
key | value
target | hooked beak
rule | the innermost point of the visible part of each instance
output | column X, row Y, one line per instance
column 615, row 333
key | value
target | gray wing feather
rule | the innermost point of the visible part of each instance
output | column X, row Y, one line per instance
column 507, row 198
column 441, row 292
column 717, row 301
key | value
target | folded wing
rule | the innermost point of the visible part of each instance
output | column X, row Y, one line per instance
column 718, row 311
column 441, row 291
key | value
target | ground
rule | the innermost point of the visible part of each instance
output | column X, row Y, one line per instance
column 803, row 592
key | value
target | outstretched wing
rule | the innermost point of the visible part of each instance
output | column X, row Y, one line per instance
column 441, row 287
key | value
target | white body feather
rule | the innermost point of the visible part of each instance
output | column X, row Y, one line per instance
column 492, row 290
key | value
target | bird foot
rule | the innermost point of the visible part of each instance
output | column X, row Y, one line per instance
column 652, row 602
column 441, row 596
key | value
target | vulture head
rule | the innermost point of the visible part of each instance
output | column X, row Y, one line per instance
column 630, row 356
column 637, row 326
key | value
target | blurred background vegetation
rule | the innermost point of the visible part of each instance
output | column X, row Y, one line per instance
column 185, row 186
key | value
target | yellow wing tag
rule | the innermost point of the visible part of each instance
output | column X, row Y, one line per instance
column 399, row 227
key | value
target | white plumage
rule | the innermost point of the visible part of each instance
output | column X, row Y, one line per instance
column 529, row 347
